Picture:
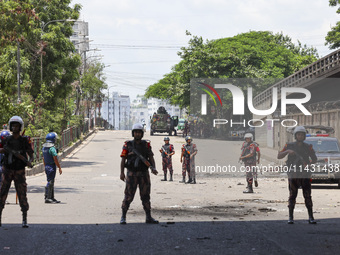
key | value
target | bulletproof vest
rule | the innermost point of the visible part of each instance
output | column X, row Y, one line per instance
column 188, row 150
column 301, row 156
column 166, row 148
column 48, row 158
column 246, row 151
column 133, row 162
column 17, row 145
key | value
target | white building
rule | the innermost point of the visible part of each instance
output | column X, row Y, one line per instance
column 117, row 111
column 154, row 104
column 139, row 111
column 80, row 36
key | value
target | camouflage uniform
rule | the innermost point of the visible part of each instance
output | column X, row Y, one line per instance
column 188, row 164
column 167, row 161
column 249, row 163
column 137, row 174
column 14, row 170
column 299, row 178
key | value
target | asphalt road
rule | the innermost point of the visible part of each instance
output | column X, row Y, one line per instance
column 211, row 217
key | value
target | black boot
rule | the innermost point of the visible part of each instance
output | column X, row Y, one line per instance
column 310, row 215
column 183, row 180
column 123, row 218
column 190, row 180
column 149, row 219
column 24, row 220
column 291, row 217
column 170, row 178
column 249, row 189
column 53, row 199
column 164, row 178
column 48, row 193
column 193, row 181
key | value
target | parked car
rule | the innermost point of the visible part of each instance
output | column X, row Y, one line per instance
column 327, row 150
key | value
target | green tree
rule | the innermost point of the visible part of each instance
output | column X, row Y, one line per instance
column 256, row 54
column 333, row 36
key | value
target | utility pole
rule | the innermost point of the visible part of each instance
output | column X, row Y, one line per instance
column 18, row 71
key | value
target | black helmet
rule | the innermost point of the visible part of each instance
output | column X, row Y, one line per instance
column 166, row 138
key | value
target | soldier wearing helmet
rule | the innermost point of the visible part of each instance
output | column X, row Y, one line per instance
column 248, row 156
column 300, row 156
column 167, row 151
column 50, row 159
column 189, row 151
column 14, row 167
column 137, row 156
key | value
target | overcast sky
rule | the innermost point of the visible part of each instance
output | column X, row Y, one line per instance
column 139, row 40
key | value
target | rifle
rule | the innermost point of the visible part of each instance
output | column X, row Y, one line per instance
column 19, row 156
column 144, row 160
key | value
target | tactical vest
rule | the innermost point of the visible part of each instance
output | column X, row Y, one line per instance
column 246, row 151
column 19, row 145
column 298, row 161
column 188, row 149
column 133, row 162
column 48, row 158
column 166, row 148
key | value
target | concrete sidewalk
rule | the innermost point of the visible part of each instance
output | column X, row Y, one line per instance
column 270, row 155
column 39, row 168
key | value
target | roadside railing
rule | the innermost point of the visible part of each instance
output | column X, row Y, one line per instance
column 70, row 135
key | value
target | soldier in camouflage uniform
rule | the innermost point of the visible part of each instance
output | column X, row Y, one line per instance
column 133, row 155
column 299, row 155
column 248, row 156
column 14, row 168
column 189, row 151
column 167, row 151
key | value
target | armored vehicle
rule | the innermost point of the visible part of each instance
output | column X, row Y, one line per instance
column 162, row 122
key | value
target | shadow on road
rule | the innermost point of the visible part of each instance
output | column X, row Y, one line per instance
column 215, row 237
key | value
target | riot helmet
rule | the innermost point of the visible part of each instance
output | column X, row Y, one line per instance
column 137, row 126
column 51, row 137
column 299, row 129
column 248, row 135
column 16, row 119
column 166, row 138
column 4, row 134
column 188, row 137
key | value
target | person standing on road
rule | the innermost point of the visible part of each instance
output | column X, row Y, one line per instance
column 248, row 156
column 299, row 155
column 258, row 156
column 167, row 151
column 50, row 158
column 3, row 136
column 136, row 157
column 16, row 146
column 189, row 151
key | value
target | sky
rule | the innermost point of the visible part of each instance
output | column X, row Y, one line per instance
column 138, row 40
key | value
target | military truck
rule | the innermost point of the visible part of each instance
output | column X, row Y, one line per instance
column 162, row 122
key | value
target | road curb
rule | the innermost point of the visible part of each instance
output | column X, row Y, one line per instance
column 39, row 168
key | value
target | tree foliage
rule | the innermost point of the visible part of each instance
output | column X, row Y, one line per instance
column 256, row 54
column 49, row 71
column 333, row 36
